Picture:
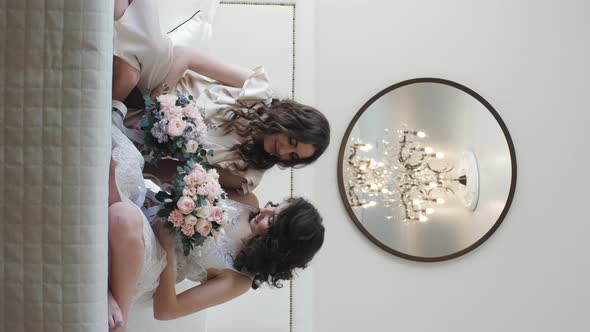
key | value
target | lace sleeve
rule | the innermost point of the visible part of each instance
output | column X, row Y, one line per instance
column 218, row 252
column 128, row 172
column 188, row 267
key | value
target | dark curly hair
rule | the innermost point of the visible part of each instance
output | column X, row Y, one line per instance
column 290, row 242
column 300, row 122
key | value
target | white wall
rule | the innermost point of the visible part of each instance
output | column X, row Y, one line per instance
column 241, row 35
column 529, row 59
column 267, row 29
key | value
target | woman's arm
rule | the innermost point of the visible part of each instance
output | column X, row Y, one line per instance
column 114, row 195
column 206, row 64
column 219, row 289
column 229, row 180
column 165, row 170
column 248, row 199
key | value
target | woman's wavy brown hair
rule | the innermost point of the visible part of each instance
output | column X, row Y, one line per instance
column 292, row 240
column 300, row 122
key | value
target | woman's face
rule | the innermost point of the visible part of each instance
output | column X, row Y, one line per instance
column 265, row 218
column 286, row 148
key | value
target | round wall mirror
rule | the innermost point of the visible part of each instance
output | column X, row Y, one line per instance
column 427, row 169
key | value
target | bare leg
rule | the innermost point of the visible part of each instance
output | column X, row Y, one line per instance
column 135, row 99
column 115, row 314
column 126, row 251
column 120, row 7
column 165, row 170
column 125, row 78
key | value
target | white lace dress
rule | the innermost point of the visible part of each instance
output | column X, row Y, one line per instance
column 132, row 189
column 216, row 253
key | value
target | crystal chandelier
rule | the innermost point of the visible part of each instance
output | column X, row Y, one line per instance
column 408, row 173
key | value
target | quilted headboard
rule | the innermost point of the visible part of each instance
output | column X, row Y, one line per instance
column 55, row 88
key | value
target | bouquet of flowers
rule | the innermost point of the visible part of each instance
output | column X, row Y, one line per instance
column 193, row 207
column 173, row 127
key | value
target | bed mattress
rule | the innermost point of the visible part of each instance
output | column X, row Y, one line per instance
column 55, row 88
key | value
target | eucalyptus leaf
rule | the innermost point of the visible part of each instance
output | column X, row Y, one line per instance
column 161, row 196
column 191, row 164
column 200, row 241
column 163, row 213
column 145, row 122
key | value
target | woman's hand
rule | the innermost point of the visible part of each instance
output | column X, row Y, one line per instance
column 180, row 64
column 164, row 235
column 161, row 89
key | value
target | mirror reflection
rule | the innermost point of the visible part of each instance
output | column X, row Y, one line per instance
column 427, row 169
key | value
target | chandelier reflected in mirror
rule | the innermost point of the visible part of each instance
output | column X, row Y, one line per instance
column 405, row 173
column 427, row 169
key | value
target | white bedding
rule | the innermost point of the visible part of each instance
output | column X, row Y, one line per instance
column 55, row 86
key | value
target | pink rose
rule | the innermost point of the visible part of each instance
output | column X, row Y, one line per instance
column 191, row 111
column 213, row 190
column 202, row 191
column 216, row 214
column 174, row 112
column 167, row 101
column 176, row 218
column 191, row 146
column 176, row 127
column 199, row 176
column 189, row 191
column 185, row 204
column 195, row 179
column 203, row 227
column 190, row 180
column 188, row 230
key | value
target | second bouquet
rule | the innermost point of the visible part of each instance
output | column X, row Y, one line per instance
column 193, row 206
column 174, row 128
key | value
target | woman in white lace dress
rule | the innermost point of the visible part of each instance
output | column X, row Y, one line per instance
column 251, row 131
column 262, row 245
column 130, row 236
column 259, row 245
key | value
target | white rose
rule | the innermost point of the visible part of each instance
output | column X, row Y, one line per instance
column 203, row 211
column 191, row 146
column 213, row 174
column 190, row 220
column 167, row 101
